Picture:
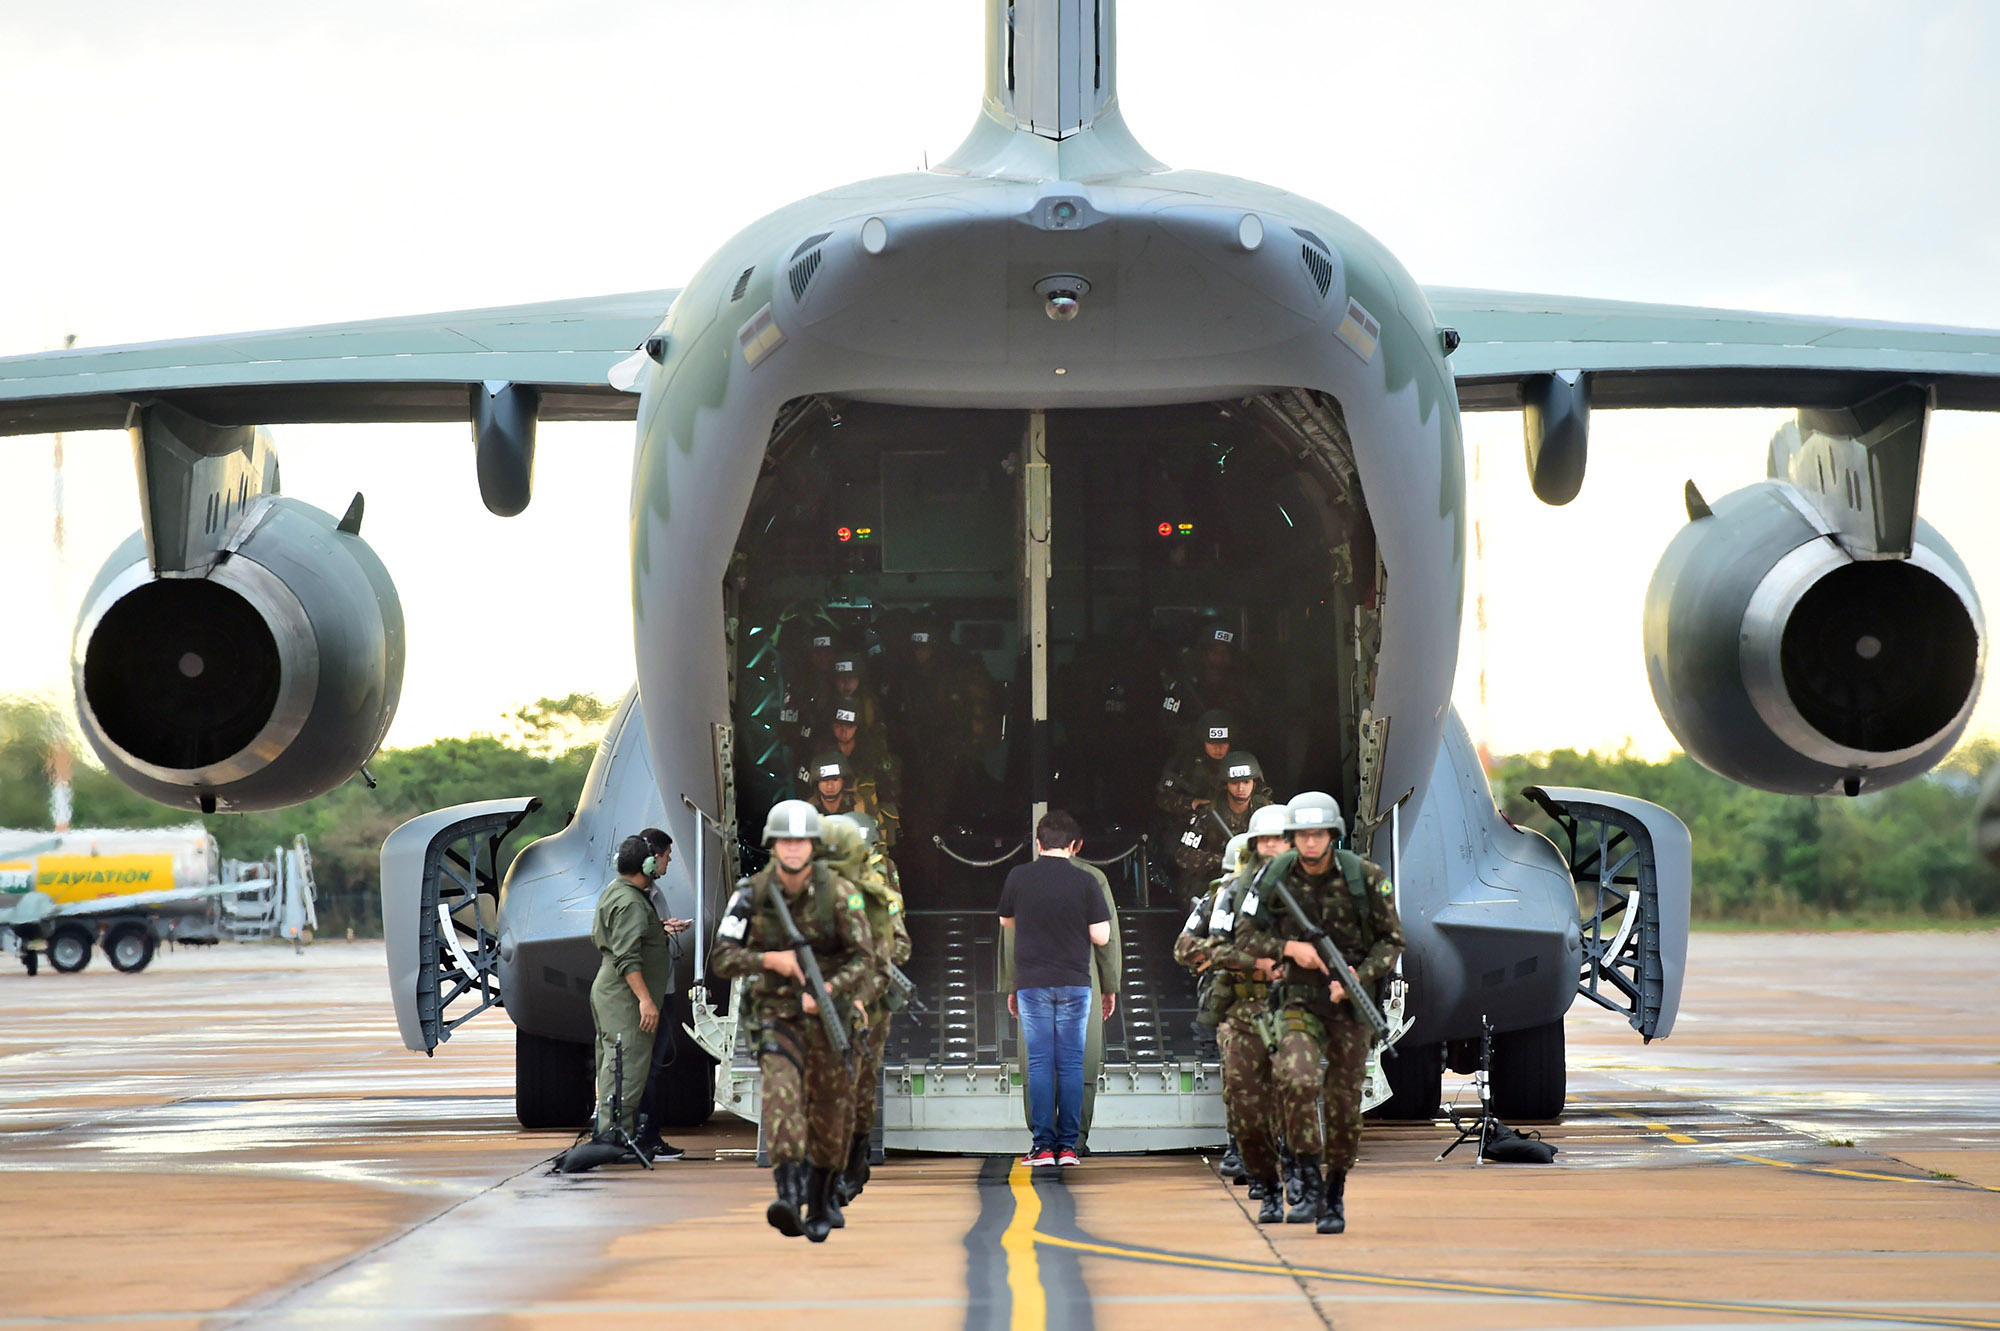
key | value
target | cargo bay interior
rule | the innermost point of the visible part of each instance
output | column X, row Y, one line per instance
column 1017, row 595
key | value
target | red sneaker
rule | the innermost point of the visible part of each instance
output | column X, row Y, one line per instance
column 1037, row 1158
column 1067, row 1157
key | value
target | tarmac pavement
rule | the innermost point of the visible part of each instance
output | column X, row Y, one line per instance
column 236, row 1137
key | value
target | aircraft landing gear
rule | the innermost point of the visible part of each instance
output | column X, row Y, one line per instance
column 1529, row 1073
column 69, row 949
column 1416, row 1083
column 555, row 1085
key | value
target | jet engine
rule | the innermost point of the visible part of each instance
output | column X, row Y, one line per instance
column 1783, row 661
column 263, row 679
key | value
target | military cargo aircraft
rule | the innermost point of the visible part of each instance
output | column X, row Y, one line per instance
column 1066, row 405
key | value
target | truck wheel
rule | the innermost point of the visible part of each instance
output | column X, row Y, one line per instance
column 1416, row 1083
column 69, row 948
column 687, row 1091
column 555, row 1085
column 129, row 948
column 1529, row 1073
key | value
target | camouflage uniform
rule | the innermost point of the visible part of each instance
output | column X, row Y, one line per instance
column 877, row 878
column 626, row 929
column 1248, row 1087
column 1198, row 849
column 1365, row 929
column 805, row 1081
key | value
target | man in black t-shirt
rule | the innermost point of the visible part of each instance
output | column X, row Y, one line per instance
column 1057, row 913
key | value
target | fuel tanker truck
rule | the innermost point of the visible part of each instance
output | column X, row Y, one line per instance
column 126, row 891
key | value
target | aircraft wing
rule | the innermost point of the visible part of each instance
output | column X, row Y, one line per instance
column 416, row 368
column 1636, row 355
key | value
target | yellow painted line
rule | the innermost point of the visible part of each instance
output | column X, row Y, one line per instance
column 1504, row 1291
column 1860, row 1173
column 1024, row 1268
column 1684, row 1140
column 1663, row 1129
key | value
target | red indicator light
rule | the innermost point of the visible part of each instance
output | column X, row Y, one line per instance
column 845, row 533
column 1166, row 529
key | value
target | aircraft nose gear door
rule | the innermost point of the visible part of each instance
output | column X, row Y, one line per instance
column 1633, row 865
column 1035, row 607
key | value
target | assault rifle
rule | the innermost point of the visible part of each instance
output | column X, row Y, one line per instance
column 829, row 1017
column 905, row 986
column 1336, row 965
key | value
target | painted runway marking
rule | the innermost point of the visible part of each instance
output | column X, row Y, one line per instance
column 1024, row 1274
column 1832, row 1171
column 1155, row 1256
column 1034, row 1233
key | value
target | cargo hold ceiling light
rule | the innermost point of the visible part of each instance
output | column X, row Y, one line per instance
column 1063, row 295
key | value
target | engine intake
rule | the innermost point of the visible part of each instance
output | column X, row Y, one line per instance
column 1781, row 661
column 265, row 680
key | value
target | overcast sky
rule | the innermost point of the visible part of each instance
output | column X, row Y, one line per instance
column 202, row 168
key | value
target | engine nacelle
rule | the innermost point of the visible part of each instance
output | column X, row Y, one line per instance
column 263, row 681
column 1782, row 662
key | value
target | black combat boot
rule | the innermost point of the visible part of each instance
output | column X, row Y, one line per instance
column 1231, row 1165
column 1333, row 1215
column 787, row 1213
column 820, row 1206
column 855, row 1177
column 1273, row 1210
column 1310, row 1192
column 1259, row 1189
column 836, row 1212
column 1288, row 1166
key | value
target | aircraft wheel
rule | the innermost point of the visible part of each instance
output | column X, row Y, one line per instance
column 555, row 1084
column 687, row 1091
column 1416, row 1083
column 1529, row 1073
column 69, row 948
column 130, row 948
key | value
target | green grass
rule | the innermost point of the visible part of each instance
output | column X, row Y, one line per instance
column 1837, row 1141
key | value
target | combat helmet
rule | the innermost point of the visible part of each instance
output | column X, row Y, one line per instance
column 844, row 840
column 1240, row 763
column 870, row 832
column 1214, row 726
column 1271, row 820
column 829, row 762
column 791, row 818
column 1313, row 811
column 1234, row 853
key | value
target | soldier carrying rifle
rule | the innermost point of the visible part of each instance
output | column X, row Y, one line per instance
column 1345, row 908
column 801, row 930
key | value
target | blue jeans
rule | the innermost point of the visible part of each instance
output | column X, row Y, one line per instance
column 1052, row 1030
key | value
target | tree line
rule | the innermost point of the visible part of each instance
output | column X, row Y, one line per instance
column 546, row 752
column 1902, row 855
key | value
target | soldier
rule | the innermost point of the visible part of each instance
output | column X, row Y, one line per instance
column 1198, row 849
column 845, row 686
column 633, row 975
column 1353, row 901
column 1209, row 676
column 806, row 1082
column 1238, row 994
column 829, row 785
column 855, row 856
column 1193, row 778
column 873, row 773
